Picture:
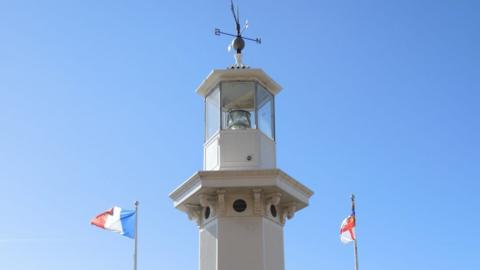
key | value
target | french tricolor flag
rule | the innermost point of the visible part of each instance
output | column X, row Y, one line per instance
column 118, row 220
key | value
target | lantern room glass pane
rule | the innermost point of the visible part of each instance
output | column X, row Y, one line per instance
column 265, row 111
column 212, row 113
column 238, row 105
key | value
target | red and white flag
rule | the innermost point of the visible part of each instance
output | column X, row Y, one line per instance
column 347, row 229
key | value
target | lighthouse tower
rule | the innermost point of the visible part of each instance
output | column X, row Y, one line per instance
column 240, row 200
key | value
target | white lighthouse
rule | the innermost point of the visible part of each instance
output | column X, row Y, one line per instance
column 241, row 200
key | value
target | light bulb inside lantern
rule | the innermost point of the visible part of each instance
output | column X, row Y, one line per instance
column 238, row 119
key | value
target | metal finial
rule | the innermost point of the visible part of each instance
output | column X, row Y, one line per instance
column 352, row 197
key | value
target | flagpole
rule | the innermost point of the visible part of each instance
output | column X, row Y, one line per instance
column 355, row 248
column 136, row 237
column 356, row 254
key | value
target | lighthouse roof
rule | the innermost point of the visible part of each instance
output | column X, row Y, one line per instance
column 256, row 74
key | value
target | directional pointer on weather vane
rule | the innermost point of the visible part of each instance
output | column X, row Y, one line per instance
column 238, row 43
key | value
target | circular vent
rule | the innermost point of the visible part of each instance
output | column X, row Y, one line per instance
column 239, row 205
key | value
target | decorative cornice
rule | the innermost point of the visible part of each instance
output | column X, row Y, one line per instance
column 255, row 74
column 187, row 185
column 207, row 188
column 235, row 174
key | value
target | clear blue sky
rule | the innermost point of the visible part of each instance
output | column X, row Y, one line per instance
column 381, row 98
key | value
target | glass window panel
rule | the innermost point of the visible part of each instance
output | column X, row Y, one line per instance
column 238, row 105
column 212, row 113
column 265, row 111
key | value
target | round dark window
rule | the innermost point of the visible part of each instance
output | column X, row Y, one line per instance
column 207, row 212
column 239, row 205
column 273, row 210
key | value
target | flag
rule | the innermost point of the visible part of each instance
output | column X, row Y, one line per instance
column 347, row 229
column 117, row 220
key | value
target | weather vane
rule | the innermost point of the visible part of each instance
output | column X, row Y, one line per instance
column 238, row 43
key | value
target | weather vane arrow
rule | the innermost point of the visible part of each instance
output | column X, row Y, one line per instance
column 238, row 43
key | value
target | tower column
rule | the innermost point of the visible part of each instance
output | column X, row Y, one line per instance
column 241, row 200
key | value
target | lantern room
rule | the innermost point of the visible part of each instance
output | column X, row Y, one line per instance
column 239, row 119
column 236, row 105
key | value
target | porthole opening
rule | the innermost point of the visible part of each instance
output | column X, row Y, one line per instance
column 239, row 205
column 207, row 212
column 273, row 210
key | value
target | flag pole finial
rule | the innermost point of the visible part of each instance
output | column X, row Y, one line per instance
column 352, row 197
